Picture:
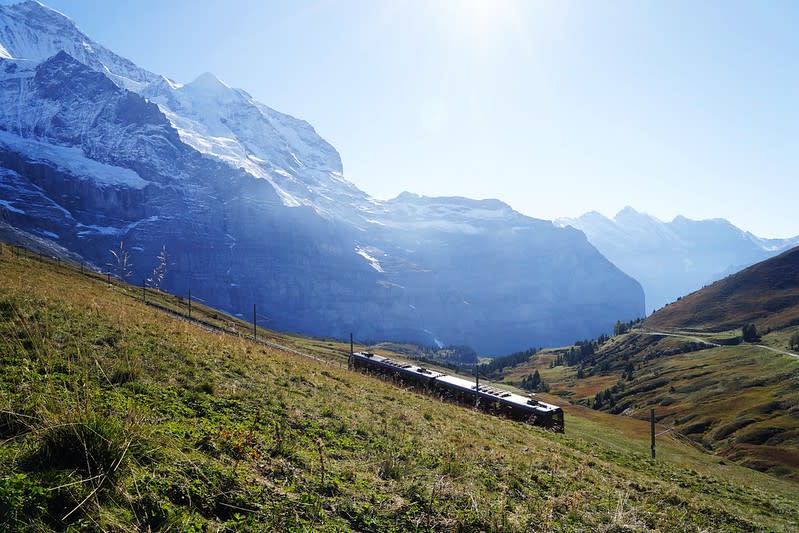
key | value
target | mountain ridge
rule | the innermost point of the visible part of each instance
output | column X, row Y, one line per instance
column 766, row 294
column 672, row 259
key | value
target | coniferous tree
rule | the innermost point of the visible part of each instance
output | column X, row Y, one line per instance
column 749, row 333
column 795, row 341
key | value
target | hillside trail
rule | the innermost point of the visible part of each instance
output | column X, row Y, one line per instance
column 704, row 341
column 777, row 350
column 678, row 335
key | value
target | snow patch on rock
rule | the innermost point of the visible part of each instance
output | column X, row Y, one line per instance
column 373, row 262
column 4, row 204
column 73, row 161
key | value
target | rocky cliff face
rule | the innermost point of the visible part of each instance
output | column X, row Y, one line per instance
column 252, row 207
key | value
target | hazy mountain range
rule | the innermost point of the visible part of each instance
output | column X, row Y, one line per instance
column 253, row 208
column 765, row 294
column 672, row 259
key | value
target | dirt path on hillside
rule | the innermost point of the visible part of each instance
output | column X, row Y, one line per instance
column 777, row 350
column 678, row 335
column 703, row 341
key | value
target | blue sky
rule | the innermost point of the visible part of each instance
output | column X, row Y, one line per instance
column 556, row 108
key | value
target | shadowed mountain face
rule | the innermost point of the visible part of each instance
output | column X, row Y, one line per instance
column 766, row 294
column 252, row 207
column 672, row 259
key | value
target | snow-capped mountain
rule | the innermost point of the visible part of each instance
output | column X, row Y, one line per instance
column 672, row 259
column 209, row 116
column 31, row 31
column 253, row 207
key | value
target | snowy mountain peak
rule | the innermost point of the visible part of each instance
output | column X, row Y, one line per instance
column 488, row 203
column 451, row 214
column 630, row 214
column 33, row 31
column 217, row 120
column 596, row 216
column 207, row 82
column 210, row 116
column 405, row 196
column 45, row 16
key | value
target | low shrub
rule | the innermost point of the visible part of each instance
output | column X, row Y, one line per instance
column 91, row 444
column 125, row 373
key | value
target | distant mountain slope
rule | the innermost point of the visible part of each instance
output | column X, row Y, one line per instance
column 35, row 244
column 253, row 208
column 671, row 259
column 766, row 294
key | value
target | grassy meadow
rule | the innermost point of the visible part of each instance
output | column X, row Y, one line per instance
column 117, row 416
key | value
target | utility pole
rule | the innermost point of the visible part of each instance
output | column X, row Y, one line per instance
column 652, row 428
column 189, row 303
column 352, row 354
column 254, row 331
column 477, row 384
column 109, row 277
column 144, row 290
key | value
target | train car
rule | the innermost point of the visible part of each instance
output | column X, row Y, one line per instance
column 487, row 398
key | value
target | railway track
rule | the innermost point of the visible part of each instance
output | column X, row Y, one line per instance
column 208, row 326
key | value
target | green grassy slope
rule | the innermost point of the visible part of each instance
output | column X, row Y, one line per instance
column 117, row 416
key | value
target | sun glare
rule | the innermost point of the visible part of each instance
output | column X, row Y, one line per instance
column 482, row 20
